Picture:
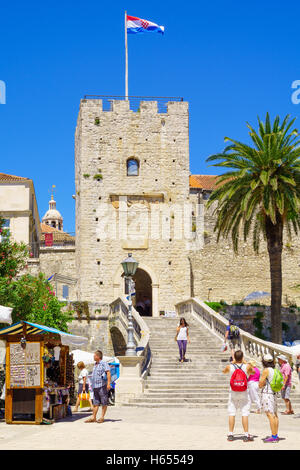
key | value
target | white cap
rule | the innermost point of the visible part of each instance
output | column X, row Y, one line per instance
column 282, row 357
column 268, row 358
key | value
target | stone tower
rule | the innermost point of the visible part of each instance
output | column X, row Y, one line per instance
column 132, row 184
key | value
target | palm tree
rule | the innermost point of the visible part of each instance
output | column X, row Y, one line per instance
column 260, row 194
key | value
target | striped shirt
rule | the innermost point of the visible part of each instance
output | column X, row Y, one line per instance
column 99, row 378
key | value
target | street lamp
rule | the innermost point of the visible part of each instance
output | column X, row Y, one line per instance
column 209, row 289
column 129, row 267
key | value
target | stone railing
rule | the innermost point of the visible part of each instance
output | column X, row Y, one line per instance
column 252, row 346
column 119, row 313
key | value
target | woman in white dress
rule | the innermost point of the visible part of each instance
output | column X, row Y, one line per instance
column 253, row 387
column 268, row 397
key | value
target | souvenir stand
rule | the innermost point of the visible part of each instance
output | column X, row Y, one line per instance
column 39, row 372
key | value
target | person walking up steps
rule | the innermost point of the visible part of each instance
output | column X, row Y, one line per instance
column 182, row 337
column 286, row 371
column 233, row 335
column 254, row 391
column 239, row 397
column 271, row 382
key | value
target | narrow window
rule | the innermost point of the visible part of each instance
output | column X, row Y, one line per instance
column 132, row 167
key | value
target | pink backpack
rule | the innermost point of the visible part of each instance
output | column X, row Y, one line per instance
column 238, row 381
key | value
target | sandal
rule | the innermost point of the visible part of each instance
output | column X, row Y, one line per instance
column 287, row 413
column 101, row 420
column 90, row 420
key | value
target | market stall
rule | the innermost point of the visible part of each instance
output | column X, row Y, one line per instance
column 39, row 372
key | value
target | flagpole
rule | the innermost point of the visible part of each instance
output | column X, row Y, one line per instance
column 126, row 59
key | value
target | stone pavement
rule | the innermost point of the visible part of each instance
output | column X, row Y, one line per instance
column 145, row 428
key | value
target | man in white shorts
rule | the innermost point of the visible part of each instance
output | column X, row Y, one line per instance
column 239, row 399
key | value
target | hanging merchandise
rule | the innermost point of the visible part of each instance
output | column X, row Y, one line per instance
column 56, row 351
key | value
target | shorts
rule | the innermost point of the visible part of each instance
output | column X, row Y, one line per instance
column 100, row 396
column 285, row 393
column 80, row 388
column 239, row 400
column 233, row 342
column 269, row 402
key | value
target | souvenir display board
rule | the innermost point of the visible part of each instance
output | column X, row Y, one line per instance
column 25, row 365
column 39, row 374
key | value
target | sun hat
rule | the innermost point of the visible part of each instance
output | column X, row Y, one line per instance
column 282, row 357
column 268, row 358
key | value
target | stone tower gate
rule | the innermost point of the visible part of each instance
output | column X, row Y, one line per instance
column 132, row 186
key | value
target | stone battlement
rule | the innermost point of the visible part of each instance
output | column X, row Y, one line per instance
column 136, row 105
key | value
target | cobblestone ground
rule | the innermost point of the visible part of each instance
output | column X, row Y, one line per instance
column 146, row 428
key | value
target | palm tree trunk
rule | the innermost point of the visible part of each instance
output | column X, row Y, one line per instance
column 274, row 235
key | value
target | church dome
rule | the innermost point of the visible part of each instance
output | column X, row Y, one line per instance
column 52, row 214
column 53, row 217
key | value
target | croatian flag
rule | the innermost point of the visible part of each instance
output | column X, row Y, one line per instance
column 137, row 25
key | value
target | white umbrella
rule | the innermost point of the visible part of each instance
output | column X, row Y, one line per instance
column 87, row 357
column 256, row 295
column 294, row 350
column 5, row 314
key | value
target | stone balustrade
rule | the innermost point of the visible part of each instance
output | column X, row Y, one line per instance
column 252, row 346
column 133, row 370
column 217, row 324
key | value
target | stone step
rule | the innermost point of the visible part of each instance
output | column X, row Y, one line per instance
column 203, row 389
column 180, row 404
column 168, row 400
column 190, row 350
column 187, row 395
column 174, row 383
column 188, row 373
column 187, row 387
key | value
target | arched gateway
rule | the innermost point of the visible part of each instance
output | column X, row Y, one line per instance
column 146, row 288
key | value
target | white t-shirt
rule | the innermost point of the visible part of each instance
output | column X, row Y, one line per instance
column 182, row 335
column 83, row 373
column 241, row 366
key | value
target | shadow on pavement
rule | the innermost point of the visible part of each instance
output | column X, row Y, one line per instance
column 240, row 437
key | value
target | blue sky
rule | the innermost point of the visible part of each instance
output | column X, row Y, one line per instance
column 231, row 60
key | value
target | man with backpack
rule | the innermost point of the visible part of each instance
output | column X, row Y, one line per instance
column 239, row 397
column 233, row 335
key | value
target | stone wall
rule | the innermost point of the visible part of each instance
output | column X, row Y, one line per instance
column 59, row 260
column 243, row 316
column 232, row 277
column 101, row 331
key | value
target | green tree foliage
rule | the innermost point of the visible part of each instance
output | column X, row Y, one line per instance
column 260, row 195
column 12, row 255
column 32, row 298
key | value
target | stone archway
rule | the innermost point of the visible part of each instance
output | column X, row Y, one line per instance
column 119, row 286
column 143, row 293
column 118, row 342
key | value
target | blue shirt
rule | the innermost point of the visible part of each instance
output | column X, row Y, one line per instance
column 99, row 378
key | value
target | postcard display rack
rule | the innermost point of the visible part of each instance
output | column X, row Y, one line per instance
column 30, row 394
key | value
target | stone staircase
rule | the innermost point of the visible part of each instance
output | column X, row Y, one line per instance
column 198, row 383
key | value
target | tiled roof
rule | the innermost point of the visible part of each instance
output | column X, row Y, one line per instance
column 58, row 235
column 5, row 177
column 206, row 182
